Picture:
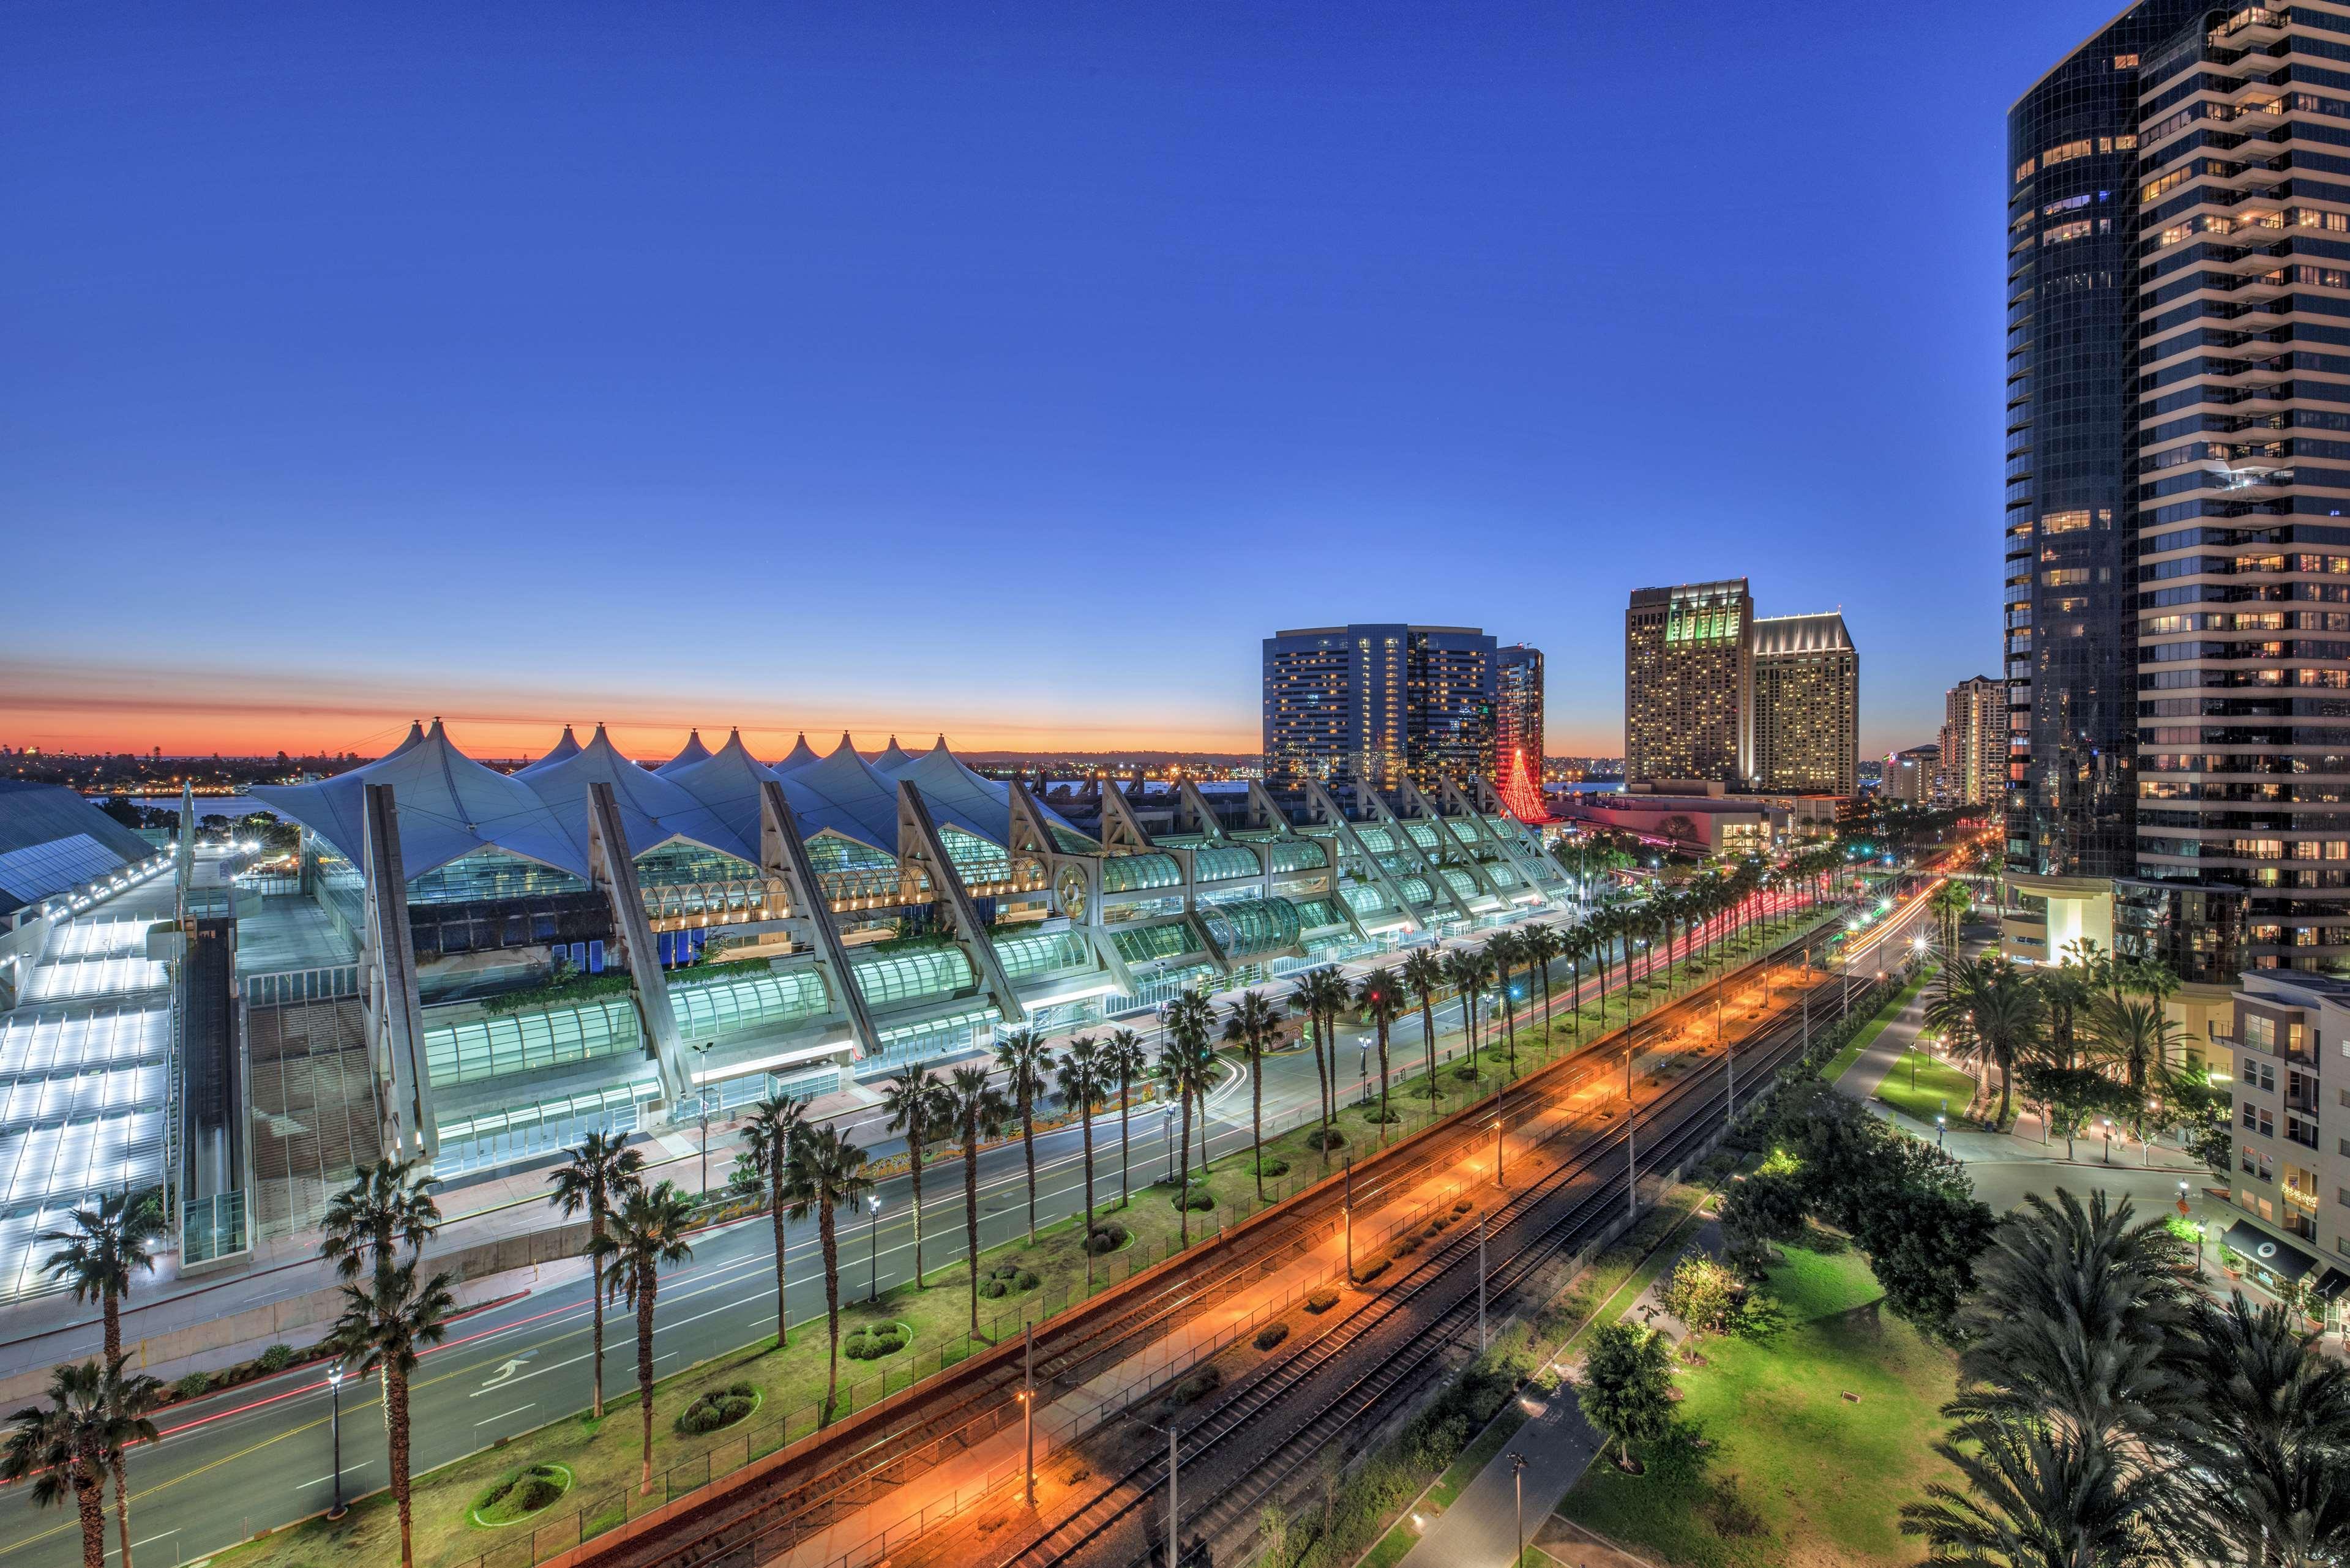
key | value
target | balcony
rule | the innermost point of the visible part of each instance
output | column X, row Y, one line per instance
column 2252, row 25
column 2240, row 1046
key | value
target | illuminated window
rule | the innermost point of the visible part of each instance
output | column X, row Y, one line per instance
column 2125, row 62
column 2063, row 232
column 2063, row 522
column 2067, row 152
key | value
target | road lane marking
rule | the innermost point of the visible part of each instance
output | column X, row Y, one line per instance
column 503, row 1414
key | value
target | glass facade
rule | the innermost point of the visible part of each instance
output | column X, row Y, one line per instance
column 1378, row 703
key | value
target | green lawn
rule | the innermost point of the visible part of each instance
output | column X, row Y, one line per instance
column 1842, row 1061
column 1821, row 1478
column 1937, row 1088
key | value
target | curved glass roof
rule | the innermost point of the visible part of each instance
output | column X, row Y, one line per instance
column 449, row 806
column 912, row 974
column 1126, row 873
column 1247, row 926
column 1148, row 943
column 1312, row 912
column 1298, row 854
column 1219, row 862
column 1040, row 954
column 722, row 1006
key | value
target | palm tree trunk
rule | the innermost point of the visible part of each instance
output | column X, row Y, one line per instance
column 1428, row 1039
column 775, row 1216
column 90, row 1504
column 1575, row 994
column 1256, row 1115
column 595, row 1312
column 1125, row 1105
column 1510, row 1026
column 122, row 1468
column 1183, row 1171
column 395, row 1425
column 1086, row 1134
column 830, row 1243
column 970, row 1214
column 645, row 1373
column 1028, row 1153
column 1383, row 1077
column 1322, row 1071
column 113, row 1308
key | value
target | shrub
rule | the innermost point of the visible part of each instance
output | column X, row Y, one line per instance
column 1323, row 1299
column 1270, row 1334
column 1026, row 1279
column 524, row 1492
column 276, row 1358
column 1273, row 1167
column 1466, row 1072
column 1107, row 1236
column 719, row 1407
column 193, row 1383
column 1371, row 1270
column 872, row 1344
column 1196, row 1198
column 1463, row 1205
column 1200, row 1384
column 1325, row 1137
column 991, row 1289
column 1407, row 1247
column 1003, row 1271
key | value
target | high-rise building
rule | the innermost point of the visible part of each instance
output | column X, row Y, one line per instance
column 1378, row 701
column 1806, row 705
column 1517, row 711
column 1689, row 683
column 2177, row 441
column 1974, row 742
column 1909, row 775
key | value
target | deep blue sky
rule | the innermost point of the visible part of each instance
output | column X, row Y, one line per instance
column 1007, row 368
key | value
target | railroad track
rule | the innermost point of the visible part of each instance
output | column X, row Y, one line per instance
column 1287, row 1415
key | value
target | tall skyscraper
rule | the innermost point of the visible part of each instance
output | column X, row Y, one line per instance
column 1974, row 741
column 1689, row 683
column 1378, row 701
column 1806, row 705
column 1517, row 710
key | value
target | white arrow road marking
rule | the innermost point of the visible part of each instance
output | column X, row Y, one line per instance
column 506, row 1374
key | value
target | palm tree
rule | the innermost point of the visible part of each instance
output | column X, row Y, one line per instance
column 1949, row 903
column 1250, row 1023
column 2038, row 1498
column 600, row 1173
column 1125, row 1059
column 2272, row 1422
column 1184, row 1068
column 1577, row 945
column 130, row 1400
column 1502, row 951
column 775, row 1124
column 1606, row 927
column 827, row 1173
column 975, row 1109
column 98, row 1250
column 387, row 1207
column 1321, row 994
column 1541, row 947
column 1993, row 1012
column 1193, row 1013
column 648, row 1232
column 1468, row 972
column 1025, row 1059
column 62, row 1445
column 1081, row 1079
column 911, row 1101
column 386, row 1325
column 2139, row 1037
column 1424, row 972
column 1380, row 996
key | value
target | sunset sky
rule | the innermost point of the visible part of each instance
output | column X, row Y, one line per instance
column 1008, row 371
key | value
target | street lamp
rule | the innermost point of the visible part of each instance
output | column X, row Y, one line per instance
column 1939, row 1124
column 701, row 1099
column 873, row 1250
column 2109, row 1140
column 1167, row 1137
column 1518, row 1481
column 335, row 1389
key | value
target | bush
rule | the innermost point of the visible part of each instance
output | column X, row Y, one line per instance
column 521, row 1493
column 1463, row 1205
column 718, row 1408
column 1270, row 1334
column 1107, row 1236
column 1371, row 1270
column 992, row 1289
column 1408, row 1246
column 1269, row 1168
column 872, row 1344
column 1196, row 1198
column 1322, row 1300
column 1197, row 1386
column 1325, row 1137
column 276, row 1358
column 1466, row 1072
column 193, row 1383
column 1026, row 1279
column 1005, row 1271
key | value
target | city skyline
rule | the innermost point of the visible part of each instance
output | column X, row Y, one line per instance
column 380, row 445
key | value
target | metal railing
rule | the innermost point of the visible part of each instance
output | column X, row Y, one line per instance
column 278, row 987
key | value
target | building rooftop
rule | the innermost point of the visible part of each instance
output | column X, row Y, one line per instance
column 1784, row 633
column 51, row 839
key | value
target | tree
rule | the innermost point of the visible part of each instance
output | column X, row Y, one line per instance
column 386, row 1325
column 2068, row 1096
column 1125, row 1059
column 1950, row 904
column 1542, row 946
column 2138, row 1038
column 1250, row 1023
column 600, row 1173
column 1425, row 975
column 1704, row 1294
column 911, row 1102
column 1766, row 1210
column 1025, row 1059
column 1321, row 995
column 1922, row 1238
column 130, row 1400
column 1993, row 1012
column 2271, row 1429
column 827, row 1171
column 1502, row 951
column 648, row 1233
column 1626, row 1386
column 1183, row 1067
column 1081, row 1079
column 774, row 1124
column 387, row 1207
column 2037, row 1497
column 62, row 1447
column 1380, row 996
column 99, row 1248
column 1468, row 972
column 975, row 1109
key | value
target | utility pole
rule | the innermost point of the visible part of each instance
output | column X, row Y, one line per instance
column 1518, row 1481
column 1480, row 1285
column 1346, row 1209
column 1028, row 1403
column 1174, row 1501
column 1631, row 1151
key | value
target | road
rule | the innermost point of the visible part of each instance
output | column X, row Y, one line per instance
column 257, row 1457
